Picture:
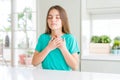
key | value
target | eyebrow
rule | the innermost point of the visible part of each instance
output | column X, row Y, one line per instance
column 53, row 15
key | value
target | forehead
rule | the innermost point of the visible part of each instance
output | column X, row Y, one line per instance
column 54, row 12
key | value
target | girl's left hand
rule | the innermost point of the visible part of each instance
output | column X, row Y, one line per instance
column 61, row 43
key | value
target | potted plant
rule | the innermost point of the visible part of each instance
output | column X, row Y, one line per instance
column 28, row 59
column 116, row 45
column 100, row 44
column 6, row 29
column 23, row 18
column 7, row 40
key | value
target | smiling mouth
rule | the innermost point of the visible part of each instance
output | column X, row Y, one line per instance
column 53, row 24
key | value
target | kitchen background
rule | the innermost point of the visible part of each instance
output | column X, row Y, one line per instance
column 95, row 24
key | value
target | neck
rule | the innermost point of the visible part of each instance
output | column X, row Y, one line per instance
column 56, row 33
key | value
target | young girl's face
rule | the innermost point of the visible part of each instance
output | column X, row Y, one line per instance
column 54, row 20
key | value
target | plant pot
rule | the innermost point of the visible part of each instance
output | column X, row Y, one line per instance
column 28, row 60
column 22, row 58
column 99, row 48
column 7, row 42
column 116, row 51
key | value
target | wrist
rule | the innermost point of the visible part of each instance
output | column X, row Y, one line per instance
column 48, row 49
column 63, row 48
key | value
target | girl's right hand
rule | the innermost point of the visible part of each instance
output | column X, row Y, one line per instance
column 51, row 44
column 54, row 43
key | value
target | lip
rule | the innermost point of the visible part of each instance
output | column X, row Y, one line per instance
column 53, row 24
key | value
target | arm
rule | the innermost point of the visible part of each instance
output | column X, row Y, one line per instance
column 38, row 57
column 71, row 59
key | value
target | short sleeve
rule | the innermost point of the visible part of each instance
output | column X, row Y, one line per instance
column 72, row 45
column 38, row 45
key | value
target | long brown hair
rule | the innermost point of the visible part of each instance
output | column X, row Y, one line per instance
column 63, row 16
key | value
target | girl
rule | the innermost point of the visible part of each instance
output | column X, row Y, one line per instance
column 57, row 48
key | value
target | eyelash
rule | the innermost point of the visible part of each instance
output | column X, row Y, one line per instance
column 51, row 17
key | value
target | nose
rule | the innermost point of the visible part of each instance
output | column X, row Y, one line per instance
column 53, row 18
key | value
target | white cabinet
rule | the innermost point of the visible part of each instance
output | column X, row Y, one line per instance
column 103, row 6
column 100, row 66
column 92, row 4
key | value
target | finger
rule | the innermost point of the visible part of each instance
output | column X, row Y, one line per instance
column 51, row 39
column 59, row 41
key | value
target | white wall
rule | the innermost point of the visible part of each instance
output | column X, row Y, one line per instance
column 72, row 8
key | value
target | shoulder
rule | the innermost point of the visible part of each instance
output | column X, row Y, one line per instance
column 69, row 36
column 44, row 35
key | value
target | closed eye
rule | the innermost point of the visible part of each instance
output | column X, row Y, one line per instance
column 51, row 17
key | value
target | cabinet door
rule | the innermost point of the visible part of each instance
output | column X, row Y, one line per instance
column 94, row 4
column 103, row 6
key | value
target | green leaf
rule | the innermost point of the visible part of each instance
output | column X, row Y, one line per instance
column 95, row 39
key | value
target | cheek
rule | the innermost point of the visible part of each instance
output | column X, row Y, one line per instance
column 49, row 23
column 60, row 24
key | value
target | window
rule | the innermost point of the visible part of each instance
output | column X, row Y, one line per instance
column 5, row 30
column 18, row 30
column 106, row 24
column 100, row 24
column 24, row 30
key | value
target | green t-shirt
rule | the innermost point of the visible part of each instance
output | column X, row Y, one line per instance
column 55, row 59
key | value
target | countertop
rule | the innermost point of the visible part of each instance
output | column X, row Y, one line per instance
column 25, row 73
